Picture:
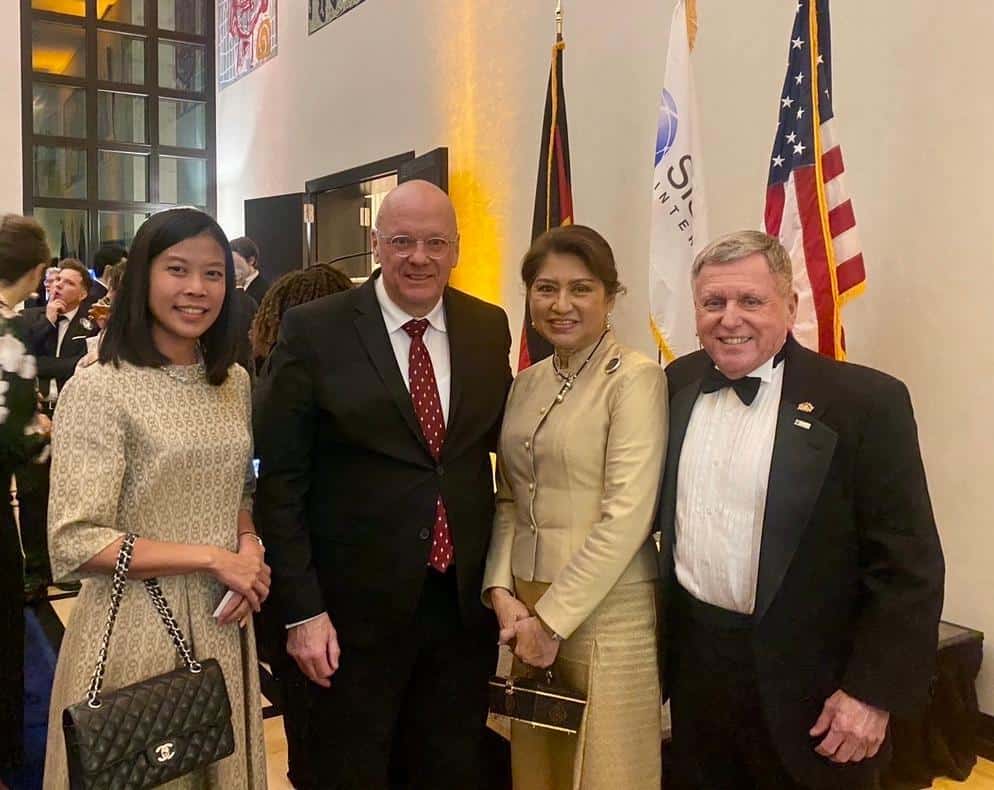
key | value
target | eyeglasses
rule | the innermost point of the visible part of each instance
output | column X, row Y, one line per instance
column 404, row 246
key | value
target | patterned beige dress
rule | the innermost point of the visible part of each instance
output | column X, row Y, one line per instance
column 162, row 453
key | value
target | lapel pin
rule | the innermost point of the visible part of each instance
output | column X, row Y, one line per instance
column 612, row 365
column 803, row 424
column 806, row 407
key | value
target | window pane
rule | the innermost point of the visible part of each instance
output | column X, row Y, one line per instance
column 59, row 110
column 183, row 181
column 58, row 49
column 73, row 7
column 128, row 11
column 181, row 66
column 186, row 16
column 120, row 58
column 59, row 172
column 62, row 224
column 119, row 227
column 122, row 176
column 121, row 117
column 182, row 123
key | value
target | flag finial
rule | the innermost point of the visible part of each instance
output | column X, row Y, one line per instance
column 559, row 19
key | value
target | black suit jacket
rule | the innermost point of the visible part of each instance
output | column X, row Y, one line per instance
column 347, row 489
column 851, row 572
column 41, row 337
column 257, row 288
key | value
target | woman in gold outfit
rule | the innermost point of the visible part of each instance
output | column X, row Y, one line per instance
column 571, row 572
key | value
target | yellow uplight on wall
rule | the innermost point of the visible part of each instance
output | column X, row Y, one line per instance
column 474, row 173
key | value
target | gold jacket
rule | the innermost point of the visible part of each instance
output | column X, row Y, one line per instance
column 578, row 481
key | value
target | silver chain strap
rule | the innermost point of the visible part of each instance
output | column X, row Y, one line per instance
column 118, row 588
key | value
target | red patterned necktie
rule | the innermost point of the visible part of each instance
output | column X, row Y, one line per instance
column 428, row 407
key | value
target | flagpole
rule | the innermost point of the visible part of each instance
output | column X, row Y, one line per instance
column 691, row 13
column 559, row 20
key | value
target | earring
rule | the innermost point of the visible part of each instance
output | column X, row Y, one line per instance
column 607, row 323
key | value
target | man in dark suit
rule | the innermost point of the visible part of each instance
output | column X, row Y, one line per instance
column 56, row 335
column 41, row 296
column 246, row 254
column 107, row 255
column 376, row 506
column 58, row 340
column 803, row 570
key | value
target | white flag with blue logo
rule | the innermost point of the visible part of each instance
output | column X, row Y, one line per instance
column 679, row 208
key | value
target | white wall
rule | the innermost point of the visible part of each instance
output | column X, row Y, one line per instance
column 11, row 198
column 912, row 99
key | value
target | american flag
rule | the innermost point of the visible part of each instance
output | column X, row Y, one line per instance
column 807, row 205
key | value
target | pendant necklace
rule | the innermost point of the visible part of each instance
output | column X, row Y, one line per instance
column 569, row 378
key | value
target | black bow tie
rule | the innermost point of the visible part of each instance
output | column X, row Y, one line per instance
column 746, row 387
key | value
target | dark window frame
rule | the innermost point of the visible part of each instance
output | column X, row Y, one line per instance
column 92, row 144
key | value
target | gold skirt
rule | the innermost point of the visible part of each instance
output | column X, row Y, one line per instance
column 612, row 659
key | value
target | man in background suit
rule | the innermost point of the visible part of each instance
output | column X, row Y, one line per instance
column 58, row 340
column 107, row 255
column 803, row 570
column 246, row 254
column 44, row 291
column 56, row 334
column 375, row 499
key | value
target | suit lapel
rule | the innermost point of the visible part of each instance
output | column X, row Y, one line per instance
column 74, row 330
column 681, row 407
column 373, row 335
column 802, row 454
column 460, row 354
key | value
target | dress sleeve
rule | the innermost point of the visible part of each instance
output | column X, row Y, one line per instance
column 88, row 452
column 636, row 446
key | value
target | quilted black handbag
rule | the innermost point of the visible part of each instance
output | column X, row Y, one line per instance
column 153, row 731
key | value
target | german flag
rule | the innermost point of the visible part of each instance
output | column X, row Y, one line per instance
column 554, row 191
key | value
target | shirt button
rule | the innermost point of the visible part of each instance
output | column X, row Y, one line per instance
column 425, row 533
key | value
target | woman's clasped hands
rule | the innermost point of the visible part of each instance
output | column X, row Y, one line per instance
column 247, row 575
column 522, row 631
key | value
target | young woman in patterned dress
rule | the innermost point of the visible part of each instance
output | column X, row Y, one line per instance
column 155, row 439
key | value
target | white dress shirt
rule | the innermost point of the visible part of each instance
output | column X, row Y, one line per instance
column 248, row 280
column 721, row 492
column 436, row 340
column 64, row 327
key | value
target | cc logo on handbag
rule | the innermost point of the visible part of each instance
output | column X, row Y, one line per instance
column 165, row 752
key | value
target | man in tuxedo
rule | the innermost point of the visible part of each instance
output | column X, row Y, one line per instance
column 57, row 337
column 375, row 499
column 803, row 571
